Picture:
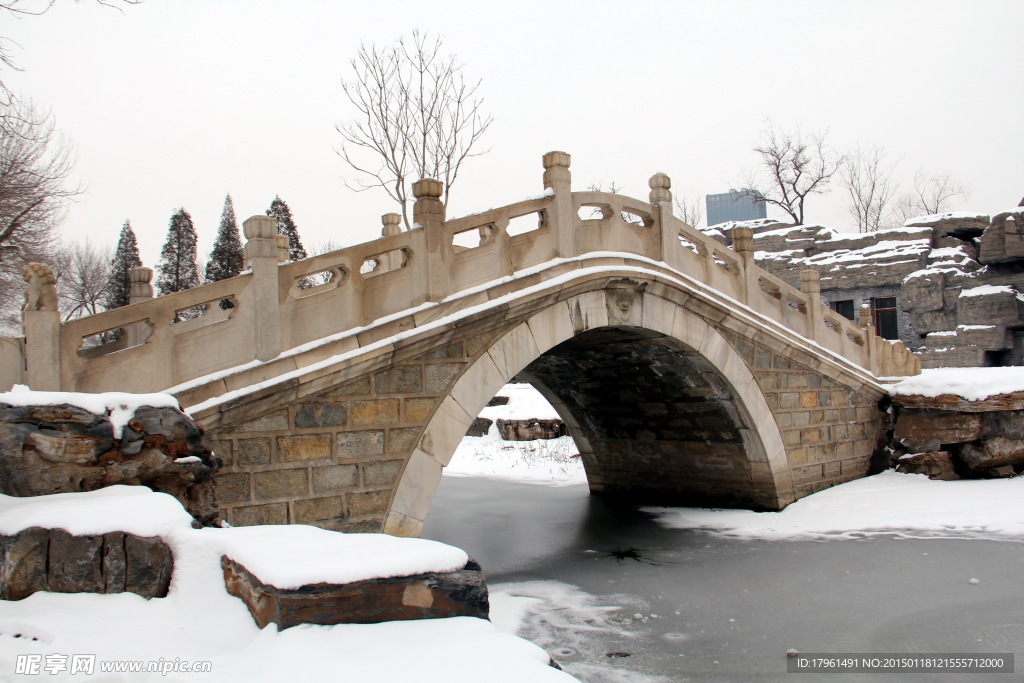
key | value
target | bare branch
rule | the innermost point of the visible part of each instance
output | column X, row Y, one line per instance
column 689, row 209
column 798, row 167
column 416, row 118
column 82, row 276
column 871, row 191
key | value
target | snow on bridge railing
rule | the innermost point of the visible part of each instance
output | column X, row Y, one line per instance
column 157, row 343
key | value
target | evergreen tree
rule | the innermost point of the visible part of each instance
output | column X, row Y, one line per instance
column 177, row 269
column 286, row 226
column 226, row 259
column 126, row 257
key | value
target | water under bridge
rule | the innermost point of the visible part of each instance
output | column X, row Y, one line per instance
column 336, row 388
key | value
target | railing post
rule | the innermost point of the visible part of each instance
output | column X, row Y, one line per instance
column 743, row 246
column 139, row 290
column 42, row 329
column 563, row 223
column 391, row 226
column 428, row 213
column 261, row 256
column 282, row 248
column 866, row 321
column 810, row 286
column 661, row 208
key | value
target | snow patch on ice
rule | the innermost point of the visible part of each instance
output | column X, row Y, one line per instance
column 907, row 505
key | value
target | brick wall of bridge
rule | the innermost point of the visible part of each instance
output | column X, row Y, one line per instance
column 831, row 430
column 333, row 460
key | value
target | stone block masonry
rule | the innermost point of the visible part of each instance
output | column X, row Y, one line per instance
column 333, row 459
column 832, row 431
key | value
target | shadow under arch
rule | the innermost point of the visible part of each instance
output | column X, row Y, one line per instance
column 662, row 408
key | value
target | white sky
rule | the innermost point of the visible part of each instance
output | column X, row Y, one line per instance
column 178, row 103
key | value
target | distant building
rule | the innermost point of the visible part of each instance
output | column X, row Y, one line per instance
column 735, row 205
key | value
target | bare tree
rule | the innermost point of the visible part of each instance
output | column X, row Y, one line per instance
column 83, row 272
column 689, row 210
column 797, row 167
column 871, row 191
column 932, row 193
column 34, row 8
column 35, row 162
column 417, row 117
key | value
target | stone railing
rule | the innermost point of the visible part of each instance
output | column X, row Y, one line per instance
column 156, row 343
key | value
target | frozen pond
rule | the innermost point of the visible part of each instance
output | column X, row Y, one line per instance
column 625, row 599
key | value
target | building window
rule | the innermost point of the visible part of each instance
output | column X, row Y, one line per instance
column 885, row 317
column 843, row 308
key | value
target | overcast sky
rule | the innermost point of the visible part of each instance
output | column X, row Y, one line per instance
column 177, row 103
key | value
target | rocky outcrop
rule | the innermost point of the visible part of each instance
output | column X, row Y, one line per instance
column 461, row 593
column 531, row 429
column 53, row 560
column 64, row 449
column 937, row 465
column 948, row 436
column 1002, row 240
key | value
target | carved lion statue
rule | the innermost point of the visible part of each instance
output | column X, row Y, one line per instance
column 42, row 288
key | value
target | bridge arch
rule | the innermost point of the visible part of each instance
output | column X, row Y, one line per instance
column 688, row 423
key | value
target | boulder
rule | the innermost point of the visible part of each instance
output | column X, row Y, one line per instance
column 64, row 449
column 531, row 429
column 958, row 224
column 1013, row 401
column 461, row 593
column 1002, row 241
column 999, row 305
column 928, row 430
column 480, row 427
column 997, row 451
column 53, row 560
column 924, row 292
column 935, row 464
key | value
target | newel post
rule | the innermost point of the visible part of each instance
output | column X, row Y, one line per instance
column 661, row 207
column 866, row 321
column 42, row 329
column 261, row 256
column 810, row 286
column 558, row 178
column 139, row 290
column 743, row 246
column 391, row 225
column 428, row 213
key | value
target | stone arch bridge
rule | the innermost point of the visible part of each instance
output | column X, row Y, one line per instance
column 335, row 389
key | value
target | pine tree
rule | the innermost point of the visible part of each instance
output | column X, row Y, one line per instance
column 286, row 226
column 226, row 259
column 177, row 269
column 126, row 257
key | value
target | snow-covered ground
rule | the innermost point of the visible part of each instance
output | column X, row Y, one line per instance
column 200, row 622
column 550, row 462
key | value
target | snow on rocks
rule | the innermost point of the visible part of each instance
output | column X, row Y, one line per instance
column 970, row 384
column 119, row 406
column 294, row 555
column 200, row 621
